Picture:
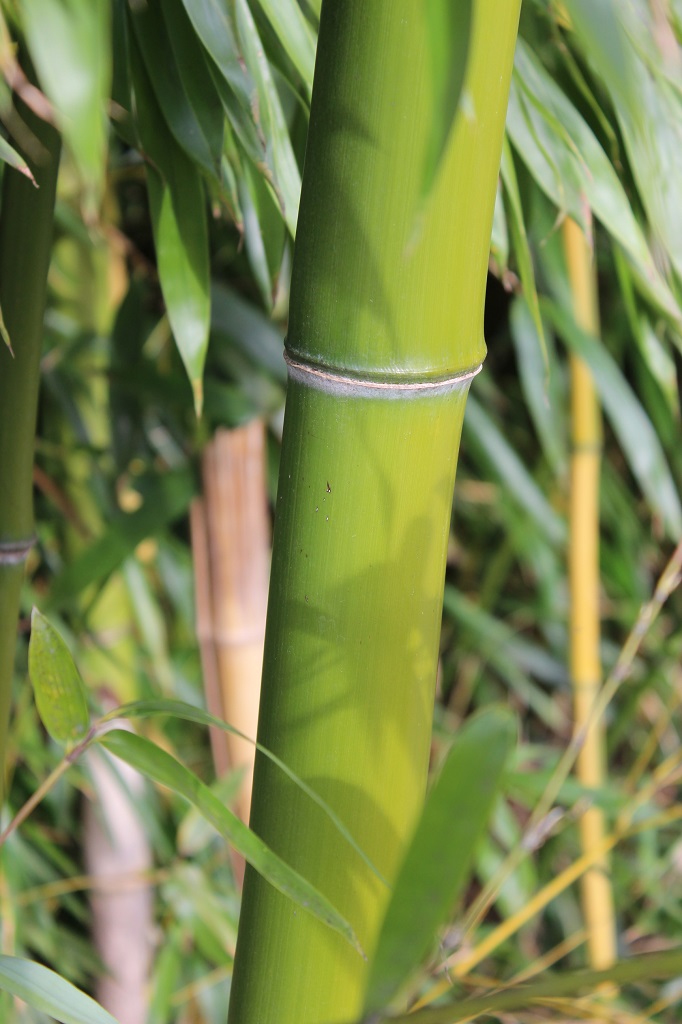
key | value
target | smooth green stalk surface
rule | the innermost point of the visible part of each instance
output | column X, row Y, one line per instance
column 385, row 290
column 26, row 220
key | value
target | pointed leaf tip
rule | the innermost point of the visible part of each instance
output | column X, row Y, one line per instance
column 57, row 684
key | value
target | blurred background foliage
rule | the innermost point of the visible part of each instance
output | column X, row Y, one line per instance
column 184, row 127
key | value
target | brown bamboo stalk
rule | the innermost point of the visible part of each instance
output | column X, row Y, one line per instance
column 238, row 534
column 585, row 665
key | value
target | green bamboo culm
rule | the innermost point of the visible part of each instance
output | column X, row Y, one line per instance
column 26, row 221
column 385, row 330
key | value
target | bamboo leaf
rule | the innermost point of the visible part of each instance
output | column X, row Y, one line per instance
column 626, row 972
column 57, row 684
column 630, row 422
column 178, row 212
column 295, row 35
column 9, row 155
column 648, row 106
column 183, row 86
column 178, row 709
column 156, row 764
column 48, row 993
column 571, row 167
column 448, row 34
column 517, row 228
column 70, row 45
column 438, row 860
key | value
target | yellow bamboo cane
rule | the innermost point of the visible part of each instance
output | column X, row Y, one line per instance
column 583, row 571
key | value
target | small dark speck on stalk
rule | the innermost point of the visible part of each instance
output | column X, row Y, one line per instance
column 329, row 490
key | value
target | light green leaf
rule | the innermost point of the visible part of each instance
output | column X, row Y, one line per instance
column 438, row 860
column 47, row 992
column 178, row 709
column 483, row 434
column 57, row 685
column 156, row 764
column 295, row 35
column 178, row 212
column 70, row 45
column 448, row 27
column 630, row 422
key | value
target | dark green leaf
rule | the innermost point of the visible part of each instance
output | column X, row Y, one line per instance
column 178, row 211
column 156, row 764
column 57, row 685
column 438, row 860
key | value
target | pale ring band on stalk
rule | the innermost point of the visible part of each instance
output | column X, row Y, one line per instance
column 314, row 376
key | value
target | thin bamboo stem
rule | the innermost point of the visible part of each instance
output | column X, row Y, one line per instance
column 583, row 572
column 26, row 222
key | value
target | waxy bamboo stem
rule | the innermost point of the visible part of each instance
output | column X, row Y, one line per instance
column 386, row 307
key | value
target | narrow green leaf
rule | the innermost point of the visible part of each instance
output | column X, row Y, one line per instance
column 517, row 228
column 585, row 173
column 626, row 972
column 542, row 407
column 70, row 45
column 57, row 685
column 295, row 35
column 630, row 422
column 178, row 212
column 437, row 863
column 9, row 155
column 482, row 433
column 178, row 709
column 47, row 992
column 448, row 33
column 270, row 117
column 156, row 764
column 183, row 85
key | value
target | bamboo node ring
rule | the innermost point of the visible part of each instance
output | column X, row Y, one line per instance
column 325, row 380
column 13, row 552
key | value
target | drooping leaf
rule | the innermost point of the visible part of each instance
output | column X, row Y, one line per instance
column 630, row 422
column 517, row 228
column 439, row 857
column 49, row 993
column 178, row 213
column 448, row 27
column 295, row 35
column 183, row 85
column 57, row 684
column 156, row 764
column 648, row 107
column 570, row 166
column 70, row 45
column 178, row 709
column 542, row 406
